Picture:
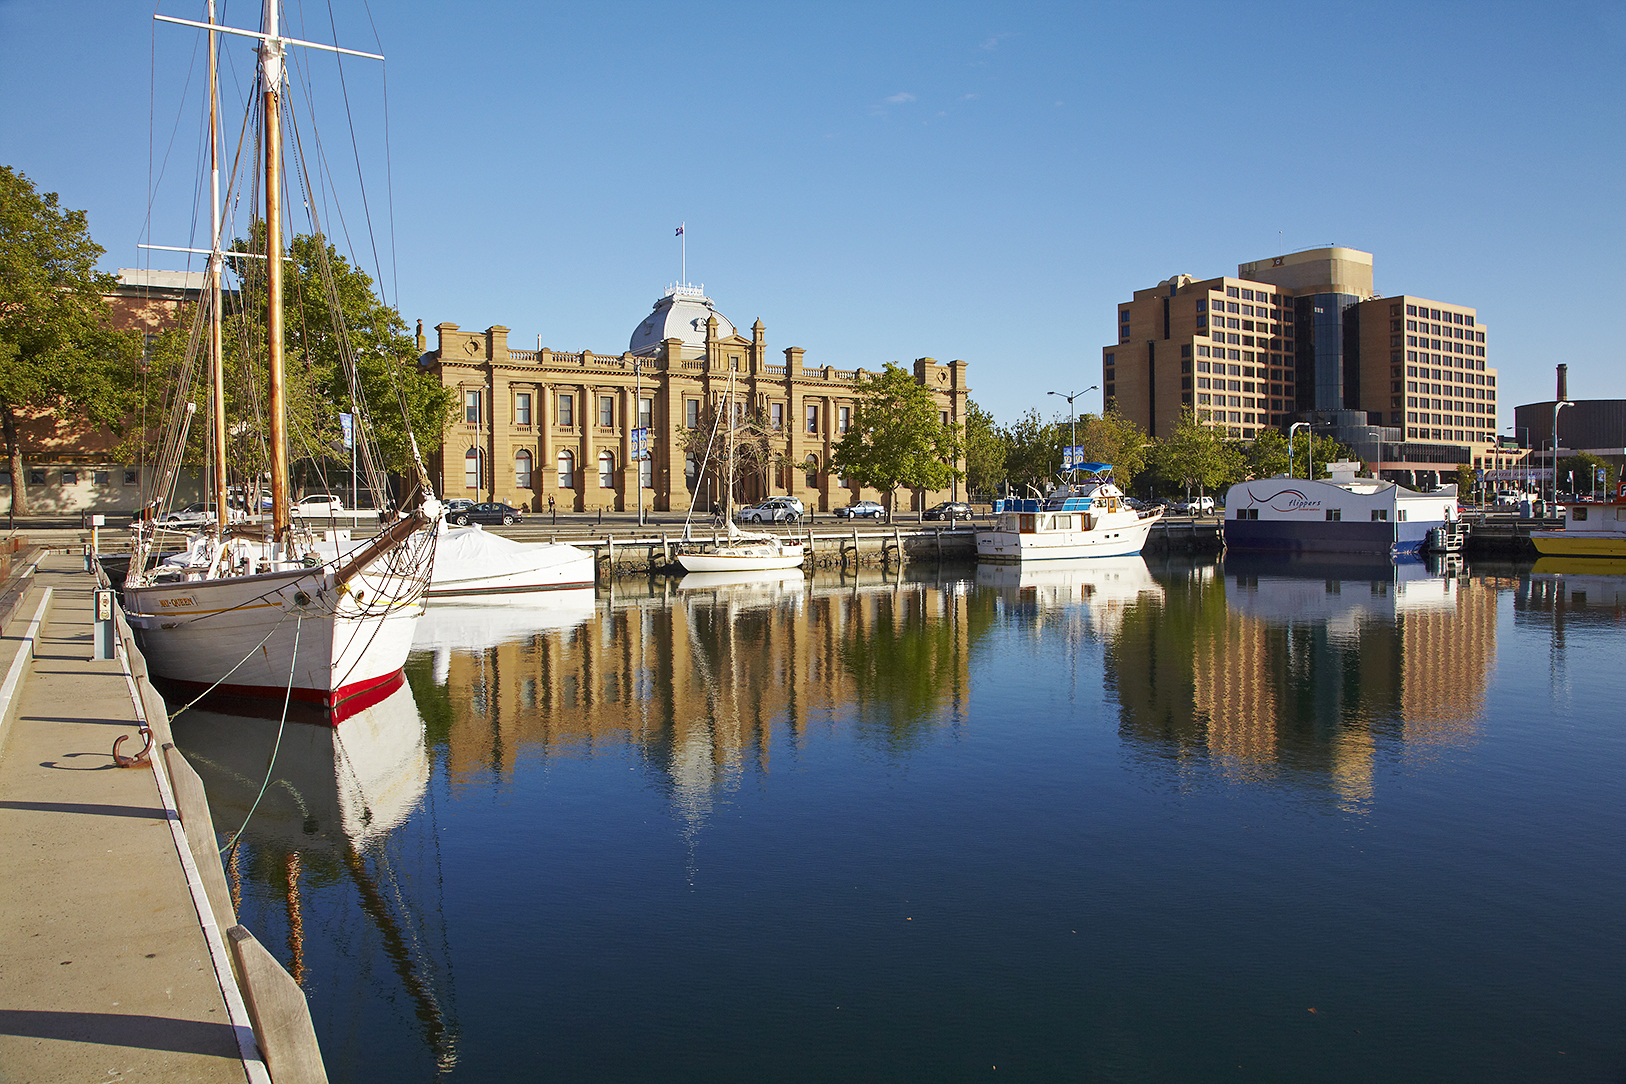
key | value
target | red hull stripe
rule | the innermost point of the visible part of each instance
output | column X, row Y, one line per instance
column 307, row 705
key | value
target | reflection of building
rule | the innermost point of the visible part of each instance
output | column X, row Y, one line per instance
column 1312, row 667
column 535, row 425
column 1401, row 380
column 704, row 682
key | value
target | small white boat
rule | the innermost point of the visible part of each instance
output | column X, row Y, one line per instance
column 1088, row 518
column 472, row 563
column 741, row 552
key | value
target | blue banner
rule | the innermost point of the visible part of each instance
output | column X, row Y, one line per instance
column 345, row 424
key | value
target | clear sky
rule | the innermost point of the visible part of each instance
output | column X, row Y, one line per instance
column 880, row 182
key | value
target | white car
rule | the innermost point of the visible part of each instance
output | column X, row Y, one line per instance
column 772, row 510
column 319, row 504
column 198, row 514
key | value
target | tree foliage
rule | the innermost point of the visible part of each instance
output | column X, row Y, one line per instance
column 56, row 349
column 1113, row 438
column 1197, row 456
column 1583, row 467
column 1032, row 452
column 985, row 450
column 330, row 312
column 1266, row 456
column 897, row 437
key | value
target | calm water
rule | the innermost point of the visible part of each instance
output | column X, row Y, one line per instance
column 1115, row 822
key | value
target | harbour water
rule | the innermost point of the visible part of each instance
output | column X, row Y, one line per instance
column 1117, row 821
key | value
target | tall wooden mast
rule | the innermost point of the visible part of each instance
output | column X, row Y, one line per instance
column 216, row 367
column 271, row 120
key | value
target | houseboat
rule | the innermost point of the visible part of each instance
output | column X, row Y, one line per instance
column 1340, row 514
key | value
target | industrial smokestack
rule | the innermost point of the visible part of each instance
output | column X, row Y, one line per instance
column 1563, row 383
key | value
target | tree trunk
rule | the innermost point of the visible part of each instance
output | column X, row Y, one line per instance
column 14, row 453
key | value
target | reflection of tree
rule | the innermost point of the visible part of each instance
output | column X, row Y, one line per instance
column 902, row 662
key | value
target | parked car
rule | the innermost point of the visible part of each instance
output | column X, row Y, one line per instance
column 457, row 504
column 490, row 512
column 319, row 504
column 772, row 510
column 198, row 514
column 1197, row 506
column 861, row 510
column 948, row 510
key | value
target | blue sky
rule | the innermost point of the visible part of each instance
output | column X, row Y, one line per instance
column 880, row 182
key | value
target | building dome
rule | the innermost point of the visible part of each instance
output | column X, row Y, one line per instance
column 680, row 314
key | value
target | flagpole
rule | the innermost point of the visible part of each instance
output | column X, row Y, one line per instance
column 683, row 232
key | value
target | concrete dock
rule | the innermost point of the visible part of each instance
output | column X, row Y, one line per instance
column 106, row 971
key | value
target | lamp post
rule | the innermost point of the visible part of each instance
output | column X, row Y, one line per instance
column 1307, row 451
column 1557, row 406
column 1525, row 429
column 1073, row 433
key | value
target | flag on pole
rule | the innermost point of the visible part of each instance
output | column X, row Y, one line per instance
column 679, row 232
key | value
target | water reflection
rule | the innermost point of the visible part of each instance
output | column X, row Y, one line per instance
column 338, row 831
column 1097, row 591
column 1306, row 669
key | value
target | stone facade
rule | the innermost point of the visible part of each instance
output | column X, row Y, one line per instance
column 539, row 424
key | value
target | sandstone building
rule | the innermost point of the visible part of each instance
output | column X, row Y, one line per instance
column 539, row 424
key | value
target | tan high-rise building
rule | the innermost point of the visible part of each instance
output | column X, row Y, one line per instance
column 1304, row 337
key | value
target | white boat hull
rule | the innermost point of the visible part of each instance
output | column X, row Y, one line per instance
column 287, row 633
column 744, row 558
column 1115, row 535
column 470, row 563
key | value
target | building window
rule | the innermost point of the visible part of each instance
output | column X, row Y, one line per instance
column 691, row 468
column 522, row 469
column 646, row 473
column 567, row 470
column 812, row 419
column 99, row 477
column 70, row 477
column 606, row 470
column 646, row 413
column 606, row 411
column 691, row 414
column 471, row 407
column 844, row 419
column 567, row 410
column 776, row 413
column 131, row 478
column 522, row 408
column 812, row 468
column 471, row 469
column 1335, row 514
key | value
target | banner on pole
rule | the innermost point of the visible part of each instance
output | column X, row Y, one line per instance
column 346, row 422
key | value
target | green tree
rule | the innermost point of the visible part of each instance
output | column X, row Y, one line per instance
column 984, row 450
column 1195, row 455
column 1583, row 466
column 57, row 352
column 1318, row 451
column 1266, row 454
column 897, row 437
column 1113, row 438
column 1032, row 452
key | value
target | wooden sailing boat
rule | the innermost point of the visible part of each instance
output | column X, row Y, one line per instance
column 736, row 550
column 268, row 610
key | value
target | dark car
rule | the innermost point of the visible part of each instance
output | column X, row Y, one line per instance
column 948, row 510
column 485, row 513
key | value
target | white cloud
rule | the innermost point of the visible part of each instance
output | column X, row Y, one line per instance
column 900, row 97
column 993, row 42
column 969, row 97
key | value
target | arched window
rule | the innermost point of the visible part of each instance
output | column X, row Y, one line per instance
column 471, row 468
column 606, row 469
column 812, row 471
column 522, row 469
column 567, row 470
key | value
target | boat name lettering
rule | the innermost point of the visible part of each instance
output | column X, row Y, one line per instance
column 177, row 603
column 1291, row 500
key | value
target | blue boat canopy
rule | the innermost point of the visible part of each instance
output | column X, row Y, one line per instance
column 1095, row 468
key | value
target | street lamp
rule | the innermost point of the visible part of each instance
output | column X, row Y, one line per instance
column 1525, row 429
column 1557, row 406
column 1308, row 449
column 1073, row 438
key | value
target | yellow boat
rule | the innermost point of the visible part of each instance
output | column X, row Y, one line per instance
column 1591, row 529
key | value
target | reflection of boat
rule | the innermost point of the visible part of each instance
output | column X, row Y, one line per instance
column 338, row 804
column 1333, row 586
column 471, row 561
column 1595, row 584
column 468, row 625
column 774, row 580
column 266, row 615
column 1342, row 515
column 1088, row 518
column 1591, row 529
column 1104, row 587
column 335, row 786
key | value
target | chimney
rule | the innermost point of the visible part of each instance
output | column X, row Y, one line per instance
column 1563, row 383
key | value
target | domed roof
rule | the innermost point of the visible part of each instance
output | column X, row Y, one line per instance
column 680, row 314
